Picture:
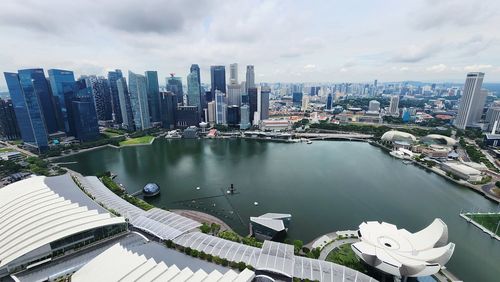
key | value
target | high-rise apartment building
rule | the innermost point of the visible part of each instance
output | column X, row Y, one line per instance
column 472, row 101
column 394, row 105
column 137, row 88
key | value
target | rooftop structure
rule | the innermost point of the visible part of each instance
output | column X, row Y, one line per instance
column 438, row 139
column 58, row 216
column 401, row 253
column 394, row 135
column 270, row 226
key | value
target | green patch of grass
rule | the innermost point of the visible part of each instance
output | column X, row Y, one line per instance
column 488, row 221
column 139, row 140
column 3, row 150
column 110, row 134
column 344, row 255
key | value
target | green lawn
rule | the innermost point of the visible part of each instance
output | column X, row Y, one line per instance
column 488, row 221
column 110, row 134
column 139, row 140
column 3, row 150
column 344, row 255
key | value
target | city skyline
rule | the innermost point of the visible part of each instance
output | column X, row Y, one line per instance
column 323, row 42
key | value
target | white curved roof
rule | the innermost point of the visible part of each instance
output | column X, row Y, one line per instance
column 39, row 210
column 394, row 135
column 401, row 253
column 449, row 141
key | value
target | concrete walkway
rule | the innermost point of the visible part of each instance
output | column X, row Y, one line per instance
column 335, row 244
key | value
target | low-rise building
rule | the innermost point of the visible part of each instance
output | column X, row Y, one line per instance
column 275, row 124
column 462, row 171
column 11, row 156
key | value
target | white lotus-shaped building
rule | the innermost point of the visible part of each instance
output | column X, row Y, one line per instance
column 401, row 253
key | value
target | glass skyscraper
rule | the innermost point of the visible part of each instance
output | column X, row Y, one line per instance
column 194, row 98
column 81, row 111
column 28, row 111
column 153, row 95
column 220, row 108
column 113, row 76
column 168, row 109
column 57, row 80
column 174, row 85
column 101, row 97
column 139, row 100
column 125, row 105
column 218, row 79
column 8, row 124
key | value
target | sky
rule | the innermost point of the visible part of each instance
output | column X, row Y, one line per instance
column 286, row 41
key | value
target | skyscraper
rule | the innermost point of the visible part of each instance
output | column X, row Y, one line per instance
column 233, row 115
column 220, row 107
column 113, row 76
column 168, row 109
column 305, row 103
column 250, row 76
column 101, row 97
column 29, row 113
column 374, row 106
column 82, row 115
column 244, row 117
column 153, row 95
column 329, row 102
column 233, row 74
column 57, row 80
column 218, row 79
column 193, row 96
column 252, row 101
column 196, row 69
column 186, row 116
column 492, row 116
column 8, row 124
column 174, row 85
column 472, row 101
column 139, row 100
column 234, row 94
column 297, row 99
column 394, row 105
column 125, row 105
column 265, row 91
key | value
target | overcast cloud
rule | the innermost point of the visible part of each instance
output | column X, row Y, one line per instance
column 287, row 41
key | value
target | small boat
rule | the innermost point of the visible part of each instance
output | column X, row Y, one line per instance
column 309, row 142
column 198, row 188
column 407, row 162
column 255, row 203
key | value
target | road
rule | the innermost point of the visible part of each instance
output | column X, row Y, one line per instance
column 28, row 153
column 335, row 244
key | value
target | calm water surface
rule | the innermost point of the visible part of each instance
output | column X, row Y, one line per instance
column 326, row 186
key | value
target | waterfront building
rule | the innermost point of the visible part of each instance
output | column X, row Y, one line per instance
column 297, row 99
column 329, row 102
column 492, row 116
column 250, row 78
column 218, row 79
column 190, row 133
column 275, row 125
column 399, row 137
column 472, row 101
column 81, row 112
column 233, row 115
column 127, row 116
column 462, row 171
column 193, row 95
column 101, row 97
column 265, row 91
column 220, row 108
column 139, row 100
column 270, row 226
column 211, row 112
column 394, row 106
column 186, row 116
column 374, row 106
column 174, row 85
column 168, row 109
column 57, row 80
column 401, row 253
column 253, row 101
column 9, row 129
column 29, row 114
column 113, row 76
column 153, row 95
column 60, row 219
column 245, row 117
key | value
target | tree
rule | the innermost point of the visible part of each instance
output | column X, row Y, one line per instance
column 297, row 246
column 205, row 228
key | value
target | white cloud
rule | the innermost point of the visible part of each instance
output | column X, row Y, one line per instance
column 477, row 67
column 437, row 68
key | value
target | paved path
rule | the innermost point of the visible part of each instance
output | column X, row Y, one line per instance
column 28, row 153
column 335, row 244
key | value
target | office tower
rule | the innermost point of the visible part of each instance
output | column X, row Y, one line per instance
column 250, row 76
column 186, row 116
column 233, row 74
column 101, row 96
column 297, row 99
column 57, row 80
column 329, row 102
column 211, row 112
column 314, row 90
column 472, row 101
column 253, row 101
column 244, row 117
column 8, row 124
column 305, row 103
column 492, row 116
column 193, row 96
column 29, row 114
column 153, row 95
column 233, row 115
column 220, row 107
column 394, row 105
column 81, row 111
column 168, row 109
column 174, row 85
column 374, row 106
column 265, row 91
column 125, row 105
column 218, row 79
column 138, row 91
column 113, row 76
column 234, row 94
column 208, row 96
column 196, row 69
